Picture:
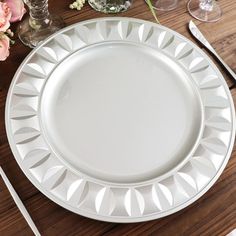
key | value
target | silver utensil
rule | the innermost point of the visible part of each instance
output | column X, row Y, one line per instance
column 200, row 37
column 19, row 203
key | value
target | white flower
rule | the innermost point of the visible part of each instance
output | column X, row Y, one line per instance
column 78, row 4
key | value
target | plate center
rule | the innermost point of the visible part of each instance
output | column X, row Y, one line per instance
column 121, row 112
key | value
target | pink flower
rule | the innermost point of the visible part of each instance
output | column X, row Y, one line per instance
column 5, row 15
column 4, row 47
column 17, row 9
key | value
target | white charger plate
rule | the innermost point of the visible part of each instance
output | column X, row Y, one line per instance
column 120, row 120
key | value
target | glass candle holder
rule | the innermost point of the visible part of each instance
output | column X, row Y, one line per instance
column 164, row 5
column 110, row 6
column 40, row 23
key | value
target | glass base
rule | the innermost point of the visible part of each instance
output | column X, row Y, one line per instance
column 164, row 5
column 110, row 6
column 32, row 37
column 211, row 15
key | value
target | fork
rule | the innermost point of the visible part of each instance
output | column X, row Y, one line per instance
column 19, row 203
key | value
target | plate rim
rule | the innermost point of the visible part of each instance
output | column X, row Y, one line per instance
column 117, row 219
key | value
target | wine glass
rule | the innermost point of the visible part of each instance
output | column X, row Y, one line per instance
column 205, row 10
column 40, row 23
column 164, row 5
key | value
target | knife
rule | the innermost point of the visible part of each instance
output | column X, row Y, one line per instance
column 19, row 203
column 200, row 37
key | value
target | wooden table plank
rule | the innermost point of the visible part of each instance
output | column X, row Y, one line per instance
column 212, row 214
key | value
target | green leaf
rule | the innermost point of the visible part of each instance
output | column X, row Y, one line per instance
column 152, row 11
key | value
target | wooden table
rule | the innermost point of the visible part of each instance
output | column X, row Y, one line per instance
column 213, row 214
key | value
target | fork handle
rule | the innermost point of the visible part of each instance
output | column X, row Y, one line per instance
column 19, row 203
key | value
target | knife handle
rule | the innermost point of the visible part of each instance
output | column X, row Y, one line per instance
column 231, row 72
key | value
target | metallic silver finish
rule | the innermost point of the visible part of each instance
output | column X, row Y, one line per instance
column 120, row 120
column 200, row 37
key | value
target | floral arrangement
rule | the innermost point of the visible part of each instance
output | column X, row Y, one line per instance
column 10, row 11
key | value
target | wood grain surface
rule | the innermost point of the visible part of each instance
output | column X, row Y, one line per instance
column 213, row 214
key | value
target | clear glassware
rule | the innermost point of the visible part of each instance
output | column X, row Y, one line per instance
column 205, row 10
column 164, row 5
column 40, row 23
column 110, row 6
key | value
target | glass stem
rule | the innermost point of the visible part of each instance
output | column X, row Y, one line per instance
column 39, row 14
column 206, row 5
